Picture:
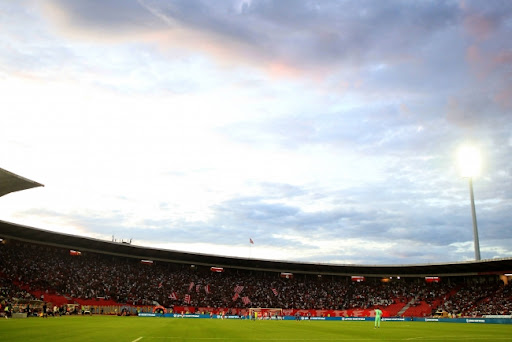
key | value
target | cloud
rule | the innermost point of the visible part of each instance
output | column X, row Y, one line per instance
column 325, row 130
column 276, row 34
column 101, row 18
column 482, row 20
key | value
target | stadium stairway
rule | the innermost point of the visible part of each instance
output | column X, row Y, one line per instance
column 404, row 308
column 395, row 308
column 421, row 310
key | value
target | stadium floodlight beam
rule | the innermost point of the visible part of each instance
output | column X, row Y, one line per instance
column 469, row 163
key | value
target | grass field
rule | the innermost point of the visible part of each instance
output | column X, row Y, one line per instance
column 151, row 329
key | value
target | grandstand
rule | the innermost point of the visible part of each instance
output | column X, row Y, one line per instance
column 74, row 273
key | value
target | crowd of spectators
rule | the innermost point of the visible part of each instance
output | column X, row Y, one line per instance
column 129, row 281
column 13, row 292
column 478, row 299
column 500, row 303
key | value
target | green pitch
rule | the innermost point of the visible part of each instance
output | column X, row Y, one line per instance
column 152, row 329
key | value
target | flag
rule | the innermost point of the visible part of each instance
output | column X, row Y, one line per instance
column 187, row 298
column 173, row 296
column 250, row 241
column 191, row 286
column 275, row 292
column 235, row 297
column 160, row 285
column 246, row 300
column 198, row 287
column 239, row 288
column 207, row 289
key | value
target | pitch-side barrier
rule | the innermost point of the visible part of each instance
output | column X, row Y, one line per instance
column 486, row 320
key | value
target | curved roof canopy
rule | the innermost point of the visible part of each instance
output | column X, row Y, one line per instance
column 39, row 236
column 10, row 182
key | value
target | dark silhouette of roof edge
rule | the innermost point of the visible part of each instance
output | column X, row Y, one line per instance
column 15, row 231
column 10, row 182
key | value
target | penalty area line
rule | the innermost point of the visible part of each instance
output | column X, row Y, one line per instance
column 137, row 339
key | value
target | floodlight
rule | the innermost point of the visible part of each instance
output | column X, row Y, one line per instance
column 469, row 161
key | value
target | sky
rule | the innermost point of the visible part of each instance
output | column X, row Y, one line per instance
column 325, row 131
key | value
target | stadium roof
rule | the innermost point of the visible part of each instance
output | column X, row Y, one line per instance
column 18, row 232
column 10, row 182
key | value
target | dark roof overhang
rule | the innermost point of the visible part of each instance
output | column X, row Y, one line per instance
column 10, row 182
column 40, row 236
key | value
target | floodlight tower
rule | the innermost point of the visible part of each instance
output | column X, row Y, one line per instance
column 469, row 163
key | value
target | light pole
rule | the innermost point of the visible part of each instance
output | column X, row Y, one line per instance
column 473, row 215
column 469, row 163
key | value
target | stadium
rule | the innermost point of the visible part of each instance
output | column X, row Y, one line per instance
column 44, row 273
column 255, row 170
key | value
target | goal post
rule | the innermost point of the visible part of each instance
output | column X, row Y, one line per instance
column 266, row 313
